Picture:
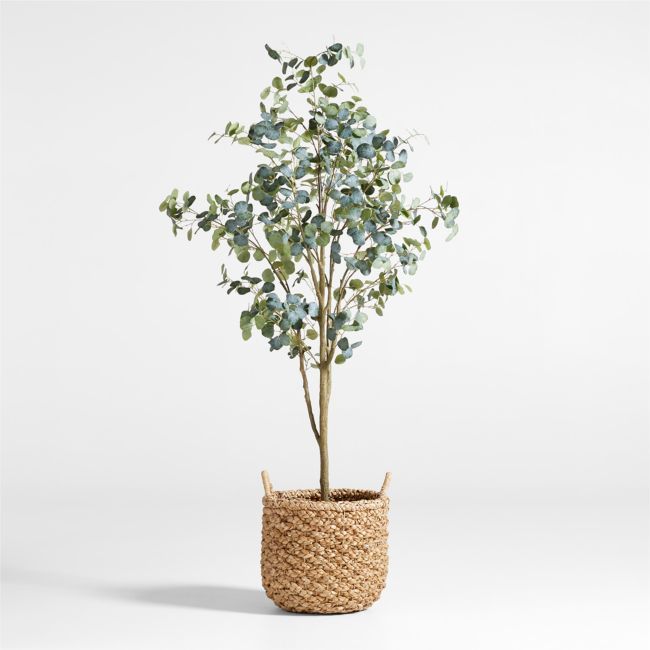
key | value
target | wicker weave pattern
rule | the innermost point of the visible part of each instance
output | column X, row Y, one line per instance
column 324, row 556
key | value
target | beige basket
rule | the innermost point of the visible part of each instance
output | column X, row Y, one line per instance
column 324, row 557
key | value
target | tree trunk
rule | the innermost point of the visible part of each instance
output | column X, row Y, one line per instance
column 324, row 303
column 324, row 402
column 325, row 384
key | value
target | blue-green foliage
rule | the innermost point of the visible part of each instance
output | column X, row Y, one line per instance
column 322, row 225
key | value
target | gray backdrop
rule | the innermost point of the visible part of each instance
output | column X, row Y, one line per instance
column 513, row 380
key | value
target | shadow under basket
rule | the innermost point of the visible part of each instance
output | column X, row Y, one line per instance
column 324, row 557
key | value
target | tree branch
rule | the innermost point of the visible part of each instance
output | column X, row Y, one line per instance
column 305, row 386
column 282, row 280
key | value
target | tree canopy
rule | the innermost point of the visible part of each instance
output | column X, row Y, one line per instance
column 324, row 206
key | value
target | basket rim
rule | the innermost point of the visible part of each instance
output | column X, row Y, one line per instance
column 304, row 500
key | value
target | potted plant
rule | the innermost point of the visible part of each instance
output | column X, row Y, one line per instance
column 324, row 235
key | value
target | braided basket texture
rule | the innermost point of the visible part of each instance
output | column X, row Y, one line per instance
column 324, row 557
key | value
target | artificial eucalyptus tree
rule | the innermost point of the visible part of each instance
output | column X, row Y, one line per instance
column 322, row 229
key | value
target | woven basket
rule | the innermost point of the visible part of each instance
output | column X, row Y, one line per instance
column 324, row 557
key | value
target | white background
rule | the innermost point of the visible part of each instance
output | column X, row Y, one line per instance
column 507, row 394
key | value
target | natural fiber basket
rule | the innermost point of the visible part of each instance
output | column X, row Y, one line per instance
column 324, row 557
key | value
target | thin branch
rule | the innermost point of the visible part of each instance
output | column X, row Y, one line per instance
column 282, row 280
column 305, row 386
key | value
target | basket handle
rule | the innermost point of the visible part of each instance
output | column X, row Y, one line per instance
column 268, row 488
column 385, row 484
